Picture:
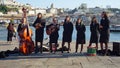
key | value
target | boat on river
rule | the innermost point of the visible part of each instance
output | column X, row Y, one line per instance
column 115, row 28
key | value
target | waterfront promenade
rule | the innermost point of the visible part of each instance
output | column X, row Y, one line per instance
column 13, row 16
column 58, row 60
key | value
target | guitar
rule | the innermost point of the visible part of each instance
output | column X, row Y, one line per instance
column 38, row 25
column 51, row 28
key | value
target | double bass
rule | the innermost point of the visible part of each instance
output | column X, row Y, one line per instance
column 26, row 45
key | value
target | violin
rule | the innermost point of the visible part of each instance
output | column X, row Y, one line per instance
column 26, row 45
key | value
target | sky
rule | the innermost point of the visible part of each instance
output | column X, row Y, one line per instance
column 72, row 3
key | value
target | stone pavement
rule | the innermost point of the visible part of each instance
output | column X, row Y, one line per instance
column 58, row 60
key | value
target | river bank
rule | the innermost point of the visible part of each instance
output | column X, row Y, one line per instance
column 58, row 60
column 114, row 36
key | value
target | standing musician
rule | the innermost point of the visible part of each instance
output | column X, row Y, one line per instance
column 94, row 29
column 67, row 33
column 53, row 28
column 39, row 25
column 80, row 28
column 104, row 31
column 26, row 44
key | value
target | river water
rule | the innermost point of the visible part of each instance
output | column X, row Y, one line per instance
column 114, row 36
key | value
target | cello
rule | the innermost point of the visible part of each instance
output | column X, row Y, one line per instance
column 26, row 45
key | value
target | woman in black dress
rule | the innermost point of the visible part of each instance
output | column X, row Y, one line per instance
column 94, row 29
column 67, row 33
column 80, row 27
column 39, row 24
column 104, row 31
column 10, row 29
column 54, row 27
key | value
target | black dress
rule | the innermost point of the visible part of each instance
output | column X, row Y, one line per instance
column 94, row 28
column 104, row 32
column 54, row 35
column 67, row 33
column 10, row 33
column 39, row 33
column 20, row 27
column 80, row 33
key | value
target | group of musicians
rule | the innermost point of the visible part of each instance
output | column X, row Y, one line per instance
column 52, row 30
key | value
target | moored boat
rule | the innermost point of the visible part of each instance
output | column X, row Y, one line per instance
column 115, row 28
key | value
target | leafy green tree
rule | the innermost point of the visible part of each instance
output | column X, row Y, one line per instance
column 4, row 9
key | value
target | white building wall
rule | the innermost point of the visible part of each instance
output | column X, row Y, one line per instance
column 53, row 11
column 14, row 13
column 43, row 11
column 31, row 12
column 1, row 13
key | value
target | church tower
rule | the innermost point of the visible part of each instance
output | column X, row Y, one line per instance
column 52, row 5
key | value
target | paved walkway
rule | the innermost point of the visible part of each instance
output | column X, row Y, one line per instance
column 58, row 60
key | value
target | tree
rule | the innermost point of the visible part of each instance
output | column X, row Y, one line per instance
column 4, row 9
column 74, row 10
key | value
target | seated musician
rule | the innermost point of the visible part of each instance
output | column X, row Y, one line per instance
column 53, row 28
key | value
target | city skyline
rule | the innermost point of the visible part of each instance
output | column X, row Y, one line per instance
column 72, row 3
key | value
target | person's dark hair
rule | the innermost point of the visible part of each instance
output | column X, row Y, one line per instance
column 66, row 18
column 39, row 14
column 9, row 23
column 55, row 19
column 93, row 19
column 78, row 19
column 105, row 15
column 13, row 24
